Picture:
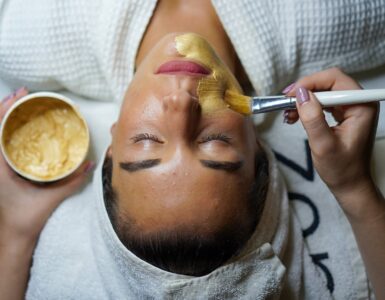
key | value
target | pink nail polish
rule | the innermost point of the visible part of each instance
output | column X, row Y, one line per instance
column 20, row 90
column 302, row 95
column 285, row 116
column 288, row 88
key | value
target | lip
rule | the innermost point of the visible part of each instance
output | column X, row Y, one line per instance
column 182, row 67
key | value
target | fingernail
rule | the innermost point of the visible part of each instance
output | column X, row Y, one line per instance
column 288, row 88
column 302, row 95
column 285, row 116
column 20, row 90
column 89, row 167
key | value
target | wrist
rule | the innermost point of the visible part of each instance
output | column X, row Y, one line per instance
column 16, row 245
column 15, row 263
column 362, row 202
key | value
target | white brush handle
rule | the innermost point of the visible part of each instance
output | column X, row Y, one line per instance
column 327, row 99
column 335, row 98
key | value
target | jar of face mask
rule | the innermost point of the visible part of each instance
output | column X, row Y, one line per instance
column 44, row 138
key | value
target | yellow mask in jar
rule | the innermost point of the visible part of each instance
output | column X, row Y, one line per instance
column 44, row 138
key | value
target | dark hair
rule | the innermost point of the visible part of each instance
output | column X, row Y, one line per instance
column 181, row 250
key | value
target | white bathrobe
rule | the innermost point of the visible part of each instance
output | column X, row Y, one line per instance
column 89, row 48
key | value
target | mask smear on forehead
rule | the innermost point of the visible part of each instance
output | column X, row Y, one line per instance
column 211, row 89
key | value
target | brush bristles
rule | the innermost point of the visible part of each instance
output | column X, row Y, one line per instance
column 239, row 103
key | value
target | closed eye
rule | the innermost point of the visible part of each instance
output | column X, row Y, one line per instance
column 146, row 136
column 216, row 137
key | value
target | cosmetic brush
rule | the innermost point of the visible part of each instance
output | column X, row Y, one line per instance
column 254, row 105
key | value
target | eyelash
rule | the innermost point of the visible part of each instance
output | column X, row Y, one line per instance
column 211, row 137
column 146, row 136
column 216, row 137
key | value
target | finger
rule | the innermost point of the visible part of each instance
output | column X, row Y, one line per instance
column 337, row 113
column 4, row 105
column 290, row 116
column 10, row 99
column 20, row 92
column 67, row 187
column 321, row 138
column 360, row 120
column 330, row 79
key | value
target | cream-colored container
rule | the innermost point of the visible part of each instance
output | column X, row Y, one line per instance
column 43, row 137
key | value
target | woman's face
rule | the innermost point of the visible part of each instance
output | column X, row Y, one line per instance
column 175, row 164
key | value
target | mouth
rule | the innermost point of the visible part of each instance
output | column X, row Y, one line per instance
column 182, row 67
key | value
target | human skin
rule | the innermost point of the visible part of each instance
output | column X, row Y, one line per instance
column 368, row 219
column 14, row 270
column 180, row 191
column 341, row 154
column 332, row 150
column 181, row 16
column 24, row 209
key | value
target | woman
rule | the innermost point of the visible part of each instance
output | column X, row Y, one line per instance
column 170, row 100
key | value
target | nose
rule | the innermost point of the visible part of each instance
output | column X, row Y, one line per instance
column 182, row 111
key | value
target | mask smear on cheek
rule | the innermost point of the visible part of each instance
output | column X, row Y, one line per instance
column 211, row 89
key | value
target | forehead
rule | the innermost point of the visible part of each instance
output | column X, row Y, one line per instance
column 180, row 196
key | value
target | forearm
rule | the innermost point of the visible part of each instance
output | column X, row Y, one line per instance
column 368, row 224
column 15, row 263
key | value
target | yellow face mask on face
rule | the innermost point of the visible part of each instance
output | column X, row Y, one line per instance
column 211, row 89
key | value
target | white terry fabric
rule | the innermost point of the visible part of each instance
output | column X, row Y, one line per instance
column 278, row 41
column 89, row 47
column 79, row 256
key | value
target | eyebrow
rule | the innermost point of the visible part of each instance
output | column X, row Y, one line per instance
column 228, row 166
column 139, row 165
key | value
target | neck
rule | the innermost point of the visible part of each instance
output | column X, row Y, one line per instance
column 196, row 16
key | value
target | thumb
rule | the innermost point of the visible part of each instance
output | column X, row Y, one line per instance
column 67, row 187
column 321, row 138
